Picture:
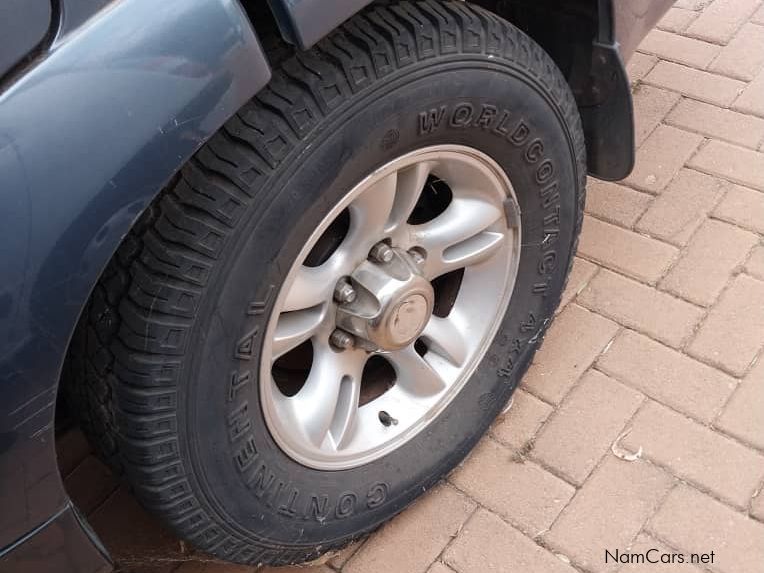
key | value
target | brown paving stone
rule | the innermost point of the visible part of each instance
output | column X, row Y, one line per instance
column 489, row 545
column 608, row 511
column 758, row 16
column 522, row 421
column 72, row 448
column 639, row 66
column 678, row 212
column 136, row 540
column 574, row 340
column 625, row 251
column 577, row 436
column 580, row 275
column 705, row 86
column 677, row 19
column 652, row 549
column 717, row 122
column 667, row 376
column 742, row 416
column 694, row 522
column 696, row 5
column 680, row 49
column 651, row 105
column 523, row 493
column 744, row 207
column 733, row 332
column 339, row 560
column 743, row 57
column 696, row 453
column 757, row 506
column 722, row 19
column 661, row 157
column 616, row 203
column 416, row 537
column 90, row 484
column 705, row 268
column 439, row 567
column 755, row 264
column 751, row 100
column 737, row 164
column 640, row 307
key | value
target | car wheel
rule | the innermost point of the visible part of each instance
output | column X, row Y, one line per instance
column 325, row 310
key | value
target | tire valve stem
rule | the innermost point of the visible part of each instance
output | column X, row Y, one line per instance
column 387, row 419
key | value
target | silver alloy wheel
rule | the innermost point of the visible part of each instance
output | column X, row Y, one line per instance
column 323, row 425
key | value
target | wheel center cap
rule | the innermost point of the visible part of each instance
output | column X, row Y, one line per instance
column 394, row 302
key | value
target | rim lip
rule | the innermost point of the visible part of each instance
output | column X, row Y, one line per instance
column 266, row 384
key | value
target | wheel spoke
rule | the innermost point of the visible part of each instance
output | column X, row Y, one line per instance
column 446, row 338
column 324, row 409
column 294, row 328
column 411, row 182
column 414, row 374
column 311, row 287
column 459, row 237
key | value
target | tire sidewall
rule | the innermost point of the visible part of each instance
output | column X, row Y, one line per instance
column 237, row 469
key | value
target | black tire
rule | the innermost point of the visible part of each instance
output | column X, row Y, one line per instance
column 165, row 357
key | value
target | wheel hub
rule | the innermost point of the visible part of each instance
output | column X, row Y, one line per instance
column 393, row 303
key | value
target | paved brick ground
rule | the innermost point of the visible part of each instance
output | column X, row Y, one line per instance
column 655, row 350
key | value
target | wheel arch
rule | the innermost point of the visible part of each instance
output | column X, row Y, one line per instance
column 91, row 131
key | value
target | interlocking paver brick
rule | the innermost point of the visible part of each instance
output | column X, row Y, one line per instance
column 616, row 203
column 742, row 416
column 717, row 122
column 686, row 448
column 489, row 545
column 667, row 376
column 637, row 306
column 89, row 484
column 580, row 275
column 735, row 163
column 625, row 251
column 678, row 212
column 651, row 105
column 705, row 86
column 639, row 66
column 577, row 436
column 751, row 101
column 758, row 16
column 608, row 511
column 696, row 5
column 677, row 19
column 705, row 268
column 744, row 207
column 743, row 57
column 339, row 560
column 522, row 492
column 755, row 264
column 573, row 342
column 757, row 506
column 721, row 20
column 415, row 538
column 522, row 421
column 680, row 49
column 694, row 522
column 733, row 332
column 661, row 156
column 652, row 549
column 439, row 567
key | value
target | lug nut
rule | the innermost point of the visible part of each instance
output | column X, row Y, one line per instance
column 381, row 253
column 344, row 292
column 417, row 256
column 342, row 340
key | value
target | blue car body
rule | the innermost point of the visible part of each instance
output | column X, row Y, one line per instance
column 101, row 102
